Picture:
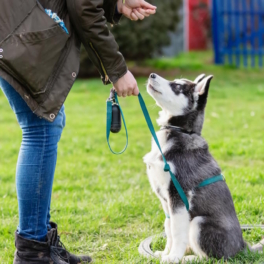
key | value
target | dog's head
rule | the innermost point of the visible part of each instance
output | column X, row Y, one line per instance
column 182, row 101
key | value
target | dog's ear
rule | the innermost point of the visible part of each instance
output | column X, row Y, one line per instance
column 199, row 78
column 202, row 87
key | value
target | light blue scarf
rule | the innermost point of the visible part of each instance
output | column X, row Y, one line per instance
column 55, row 17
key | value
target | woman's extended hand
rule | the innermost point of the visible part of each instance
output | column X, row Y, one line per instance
column 135, row 9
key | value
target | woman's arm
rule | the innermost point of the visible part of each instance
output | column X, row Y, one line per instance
column 89, row 21
column 87, row 17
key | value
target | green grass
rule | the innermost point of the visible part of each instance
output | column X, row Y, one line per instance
column 199, row 61
column 103, row 203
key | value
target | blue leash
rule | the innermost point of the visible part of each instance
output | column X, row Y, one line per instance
column 153, row 133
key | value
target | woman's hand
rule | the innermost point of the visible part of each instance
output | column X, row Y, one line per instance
column 126, row 85
column 135, row 9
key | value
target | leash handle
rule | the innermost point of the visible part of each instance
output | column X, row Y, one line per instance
column 109, row 123
column 167, row 166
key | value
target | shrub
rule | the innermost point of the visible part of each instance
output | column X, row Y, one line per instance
column 144, row 39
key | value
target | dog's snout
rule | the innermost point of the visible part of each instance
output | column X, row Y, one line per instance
column 153, row 75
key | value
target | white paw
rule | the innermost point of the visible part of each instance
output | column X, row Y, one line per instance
column 159, row 254
column 170, row 259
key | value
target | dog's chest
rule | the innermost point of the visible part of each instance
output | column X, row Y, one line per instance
column 159, row 179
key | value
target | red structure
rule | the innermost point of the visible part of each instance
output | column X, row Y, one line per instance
column 198, row 24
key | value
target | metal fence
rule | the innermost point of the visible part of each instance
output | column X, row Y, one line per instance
column 238, row 32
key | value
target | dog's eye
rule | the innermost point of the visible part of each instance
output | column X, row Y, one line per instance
column 177, row 88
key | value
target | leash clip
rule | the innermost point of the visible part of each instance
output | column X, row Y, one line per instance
column 112, row 96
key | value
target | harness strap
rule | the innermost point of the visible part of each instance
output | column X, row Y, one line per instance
column 211, row 180
column 109, row 122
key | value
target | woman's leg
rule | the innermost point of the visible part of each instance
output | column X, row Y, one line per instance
column 35, row 166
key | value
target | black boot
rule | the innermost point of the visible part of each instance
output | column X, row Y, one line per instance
column 59, row 248
column 33, row 252
column 50, row 252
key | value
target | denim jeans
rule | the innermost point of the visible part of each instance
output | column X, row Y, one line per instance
column 35, row 166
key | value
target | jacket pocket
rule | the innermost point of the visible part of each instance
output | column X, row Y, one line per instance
column 31, row 56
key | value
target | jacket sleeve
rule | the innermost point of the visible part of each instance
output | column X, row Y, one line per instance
column 88, row 19
column 110, row 11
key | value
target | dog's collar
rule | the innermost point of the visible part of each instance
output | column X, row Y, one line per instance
column 178, row 129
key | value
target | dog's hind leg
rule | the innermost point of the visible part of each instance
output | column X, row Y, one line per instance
column 208, row 239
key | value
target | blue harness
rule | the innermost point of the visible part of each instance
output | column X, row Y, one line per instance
column 152, row 131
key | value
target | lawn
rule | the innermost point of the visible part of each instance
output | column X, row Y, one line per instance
column 103, row 203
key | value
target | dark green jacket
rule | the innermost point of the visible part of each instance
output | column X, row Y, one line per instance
column 41, row 61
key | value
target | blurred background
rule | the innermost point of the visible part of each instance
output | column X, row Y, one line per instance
column 230, row 30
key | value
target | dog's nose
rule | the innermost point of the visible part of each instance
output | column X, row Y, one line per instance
column 153, row 75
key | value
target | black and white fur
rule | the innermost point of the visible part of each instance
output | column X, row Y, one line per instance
column 211, row 227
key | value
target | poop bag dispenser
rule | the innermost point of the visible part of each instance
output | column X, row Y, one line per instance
column 114, row 118
column 116, row 123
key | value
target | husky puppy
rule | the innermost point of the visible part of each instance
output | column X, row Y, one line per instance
column 211, row 227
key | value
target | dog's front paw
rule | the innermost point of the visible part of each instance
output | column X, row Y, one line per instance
column 159, row 254
column 170, row 259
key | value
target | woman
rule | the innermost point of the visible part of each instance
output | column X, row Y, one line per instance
column 39, row 62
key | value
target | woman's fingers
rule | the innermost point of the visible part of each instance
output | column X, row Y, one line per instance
column 150, row 11
column 129, row 93
column 146, row 5
column 143, row 12
column 133, row 16
column 138, row 14
column 136, row 91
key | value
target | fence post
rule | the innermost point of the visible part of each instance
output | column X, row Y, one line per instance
column 215, row 33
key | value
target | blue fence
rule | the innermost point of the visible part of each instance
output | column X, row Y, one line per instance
column 238, row 32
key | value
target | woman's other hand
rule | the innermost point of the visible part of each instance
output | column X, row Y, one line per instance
column 136, row 9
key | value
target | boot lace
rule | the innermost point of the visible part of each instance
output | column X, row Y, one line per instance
column 59, row 250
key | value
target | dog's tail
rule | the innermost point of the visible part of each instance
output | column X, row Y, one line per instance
column 257, row 247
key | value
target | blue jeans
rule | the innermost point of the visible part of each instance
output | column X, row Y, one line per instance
column 35, row 166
